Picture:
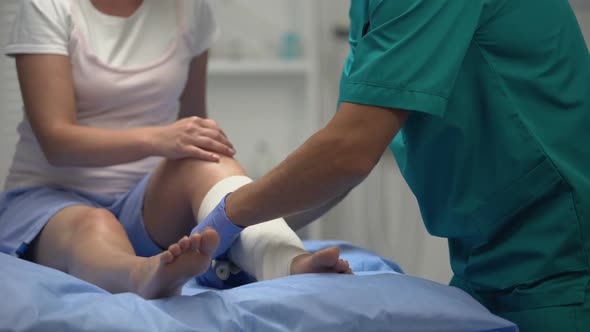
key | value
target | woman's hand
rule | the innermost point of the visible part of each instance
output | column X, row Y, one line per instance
column 191, row 137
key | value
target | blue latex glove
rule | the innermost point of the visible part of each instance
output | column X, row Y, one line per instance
column 227, row 230
column 221, row 273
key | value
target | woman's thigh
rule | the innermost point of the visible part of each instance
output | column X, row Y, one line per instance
column 24, row 213
column 70, row 227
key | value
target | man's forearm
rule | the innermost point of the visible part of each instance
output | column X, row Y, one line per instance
column 329, row 164
column 311, row 176
column 301, row 219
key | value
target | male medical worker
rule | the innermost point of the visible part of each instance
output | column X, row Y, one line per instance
column 486, row 106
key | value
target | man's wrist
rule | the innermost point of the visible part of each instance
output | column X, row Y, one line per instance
column 217, row 220
column 231, row 211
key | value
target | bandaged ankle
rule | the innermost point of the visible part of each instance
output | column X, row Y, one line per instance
column 264, row 251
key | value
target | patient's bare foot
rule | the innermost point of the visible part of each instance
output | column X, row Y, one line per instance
column 164, row 274
column 324, row 261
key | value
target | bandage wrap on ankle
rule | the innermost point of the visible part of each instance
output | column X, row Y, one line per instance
column 264, row 251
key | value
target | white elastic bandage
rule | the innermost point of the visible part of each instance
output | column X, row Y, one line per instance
column 266, row 250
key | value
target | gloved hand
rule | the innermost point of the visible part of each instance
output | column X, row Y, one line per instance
column 222, row 274
column 218, row 220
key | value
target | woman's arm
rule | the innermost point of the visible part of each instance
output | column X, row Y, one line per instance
column 48, row 94
column 193, row 101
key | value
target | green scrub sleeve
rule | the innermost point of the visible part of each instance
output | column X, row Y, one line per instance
column 406, row 54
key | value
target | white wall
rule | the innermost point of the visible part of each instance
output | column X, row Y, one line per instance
column 262, row 111
column 255, row 107
column 10, row 100
column 582, row 8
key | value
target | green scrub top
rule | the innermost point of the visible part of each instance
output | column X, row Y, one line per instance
column 497, row 146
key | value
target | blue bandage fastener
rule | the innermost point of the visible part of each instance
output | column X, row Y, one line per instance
column 227, row 230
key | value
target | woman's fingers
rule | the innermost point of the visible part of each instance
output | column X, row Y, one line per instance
column 210, row 145
column 191, row 151
column 208, row 123
column 207, row 137
column 216, row 136
column 212, row 125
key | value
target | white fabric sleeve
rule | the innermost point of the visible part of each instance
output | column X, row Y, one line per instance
column 265, row 251
column 40, row 26
column 201, row 26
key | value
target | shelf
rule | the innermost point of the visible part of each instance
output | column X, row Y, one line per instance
column 258, row 67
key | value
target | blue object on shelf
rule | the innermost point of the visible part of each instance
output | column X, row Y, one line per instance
column 291, row 46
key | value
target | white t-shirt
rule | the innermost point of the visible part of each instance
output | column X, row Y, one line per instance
column 127, row 72
column 121, row 41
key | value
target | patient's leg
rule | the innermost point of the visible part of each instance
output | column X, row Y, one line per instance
column 92, row 245
column 272, row 249
column 175, row 201
column 323, row 261
column 182, row 261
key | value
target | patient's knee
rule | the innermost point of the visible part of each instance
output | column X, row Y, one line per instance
column 97, row 221
column 198, row 168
